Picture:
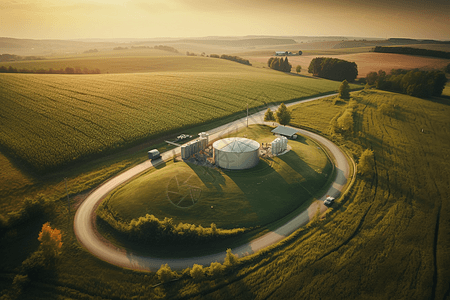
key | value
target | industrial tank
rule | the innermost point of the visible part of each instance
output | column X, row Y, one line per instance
column 236, row 153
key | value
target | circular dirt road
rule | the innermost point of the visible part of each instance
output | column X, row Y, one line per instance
column 88, row 236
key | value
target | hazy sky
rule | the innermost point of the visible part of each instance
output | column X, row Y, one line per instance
column 70, row 19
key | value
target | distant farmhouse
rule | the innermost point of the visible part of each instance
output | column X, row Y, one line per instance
column 287, row 53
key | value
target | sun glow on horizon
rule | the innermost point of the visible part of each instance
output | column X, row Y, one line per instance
column 68, row 19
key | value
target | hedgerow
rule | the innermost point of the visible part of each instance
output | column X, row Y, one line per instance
column 149, row 229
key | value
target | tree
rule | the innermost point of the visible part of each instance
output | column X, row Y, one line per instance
column 447, row 69
column 268, row 116
column 366, row 163
column 197, row 272
column 344, row 90
column 230, row 259
column 286, row 66
column 165, row 273
column 371, row 78
column 283, row 115
column 50, row 241
column 298, row 69
column 215, row 269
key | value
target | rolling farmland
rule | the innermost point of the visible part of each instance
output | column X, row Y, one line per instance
column 51, row 120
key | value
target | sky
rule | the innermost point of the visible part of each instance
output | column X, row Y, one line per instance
column 80, row 19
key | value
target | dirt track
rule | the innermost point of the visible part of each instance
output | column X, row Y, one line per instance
column 86, row 234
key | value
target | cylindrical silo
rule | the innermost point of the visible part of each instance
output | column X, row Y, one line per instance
column 236, row 153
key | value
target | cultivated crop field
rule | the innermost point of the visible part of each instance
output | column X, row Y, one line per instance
column 51, row 120
column 368, row 62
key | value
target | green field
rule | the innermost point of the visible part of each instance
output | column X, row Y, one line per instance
column 387, row 239
column 51, row 120
column 246, row 198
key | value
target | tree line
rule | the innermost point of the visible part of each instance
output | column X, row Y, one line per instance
column 279, row 64
column 68, row 70
column 412, row 51
column 333, row 68
column 232, row 58
column 415, row 83
column 13, row 57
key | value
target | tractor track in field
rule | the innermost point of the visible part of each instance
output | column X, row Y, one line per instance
column 86, row 233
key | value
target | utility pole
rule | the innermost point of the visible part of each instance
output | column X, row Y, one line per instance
column 67, row 192
column 247, row 114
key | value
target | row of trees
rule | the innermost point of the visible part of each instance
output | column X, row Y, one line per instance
column 232, row 58
column 333, row 68
column 13, row 57
column 67, row 70
column 149, row 229
column 279, row 64
column 412, row 51
column 413, row 82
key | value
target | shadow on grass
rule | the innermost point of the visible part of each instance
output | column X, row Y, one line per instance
column 210, row 177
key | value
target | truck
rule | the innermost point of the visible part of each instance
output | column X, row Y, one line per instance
column 153, row 154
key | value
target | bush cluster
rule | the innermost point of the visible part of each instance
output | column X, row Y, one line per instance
column 415, row 83
column 67, row 70
column 32, row 208
column 333, row 68
column 149, row 229
column 412, row 51
column 198, row 272
column 279, row 64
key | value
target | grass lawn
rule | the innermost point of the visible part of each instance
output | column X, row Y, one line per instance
column 241, row 198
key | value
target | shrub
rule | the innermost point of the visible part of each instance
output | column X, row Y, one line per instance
column 197, row 272
column 345, row 122
column 386, row 109
column 344, row 90
column 34, row 264
column 215, row 269
column 230, row 259
column 165, row 273
column 366, row 163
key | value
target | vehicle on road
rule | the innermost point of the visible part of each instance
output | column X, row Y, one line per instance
column 329, row 201
column 153, row 154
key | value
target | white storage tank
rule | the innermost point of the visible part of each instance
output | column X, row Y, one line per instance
column 236, row 153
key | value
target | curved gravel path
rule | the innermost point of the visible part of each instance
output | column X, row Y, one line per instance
column 87, row 235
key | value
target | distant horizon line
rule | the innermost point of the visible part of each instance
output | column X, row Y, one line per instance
column 130, row 39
